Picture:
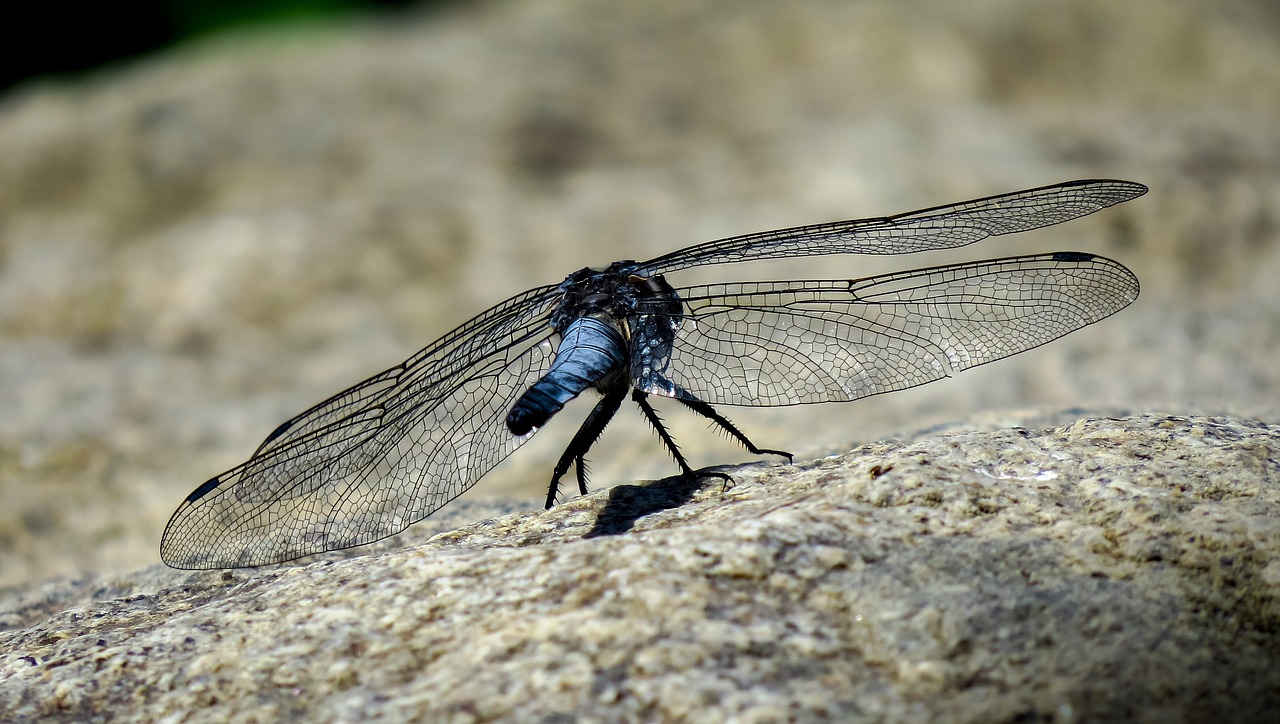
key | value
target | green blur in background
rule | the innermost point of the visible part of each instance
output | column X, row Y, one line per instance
column 69, row 43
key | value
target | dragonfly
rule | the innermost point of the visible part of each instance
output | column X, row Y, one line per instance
column 372, row 460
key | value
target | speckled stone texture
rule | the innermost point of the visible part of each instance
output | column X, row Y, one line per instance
column 199, row 244
column 1109, row 569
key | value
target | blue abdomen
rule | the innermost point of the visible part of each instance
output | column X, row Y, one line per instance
column 590, row 350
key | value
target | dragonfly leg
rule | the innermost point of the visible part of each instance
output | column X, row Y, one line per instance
column 580, row 468
column 652, row 416
column 709, row 412
column 583, row 440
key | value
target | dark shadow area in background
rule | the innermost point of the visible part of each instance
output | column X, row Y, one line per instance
column 629, row 503
column 60, row 39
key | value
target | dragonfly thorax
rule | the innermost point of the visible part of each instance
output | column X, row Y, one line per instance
column 614, row 325
column 602, row 293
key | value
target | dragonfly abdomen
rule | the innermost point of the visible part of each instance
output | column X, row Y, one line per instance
column 590, row 350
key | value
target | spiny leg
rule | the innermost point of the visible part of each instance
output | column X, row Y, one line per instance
column 709, row 412
column 656, row 422
column 584, row 439
column 580, row 471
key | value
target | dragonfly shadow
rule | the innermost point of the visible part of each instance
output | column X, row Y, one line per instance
column 629, row 503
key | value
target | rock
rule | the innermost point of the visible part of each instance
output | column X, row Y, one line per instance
column 1113, row 568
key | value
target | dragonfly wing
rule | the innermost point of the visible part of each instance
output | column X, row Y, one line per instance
column 376, row 458
column 940, row 227
column 788, row 343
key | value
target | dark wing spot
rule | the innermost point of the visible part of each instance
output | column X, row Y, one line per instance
column 204, row 489
column 284, row 426
column 1076, row 256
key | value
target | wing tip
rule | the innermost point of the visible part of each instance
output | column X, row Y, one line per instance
column 1122, row 190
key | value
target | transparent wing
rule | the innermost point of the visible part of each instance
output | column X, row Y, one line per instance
column 376, row 458
column 940, row 227
column 788, row 343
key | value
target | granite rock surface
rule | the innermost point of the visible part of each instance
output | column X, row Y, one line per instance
column 1107, row 569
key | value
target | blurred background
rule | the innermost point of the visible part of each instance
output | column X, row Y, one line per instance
column 234, row 218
